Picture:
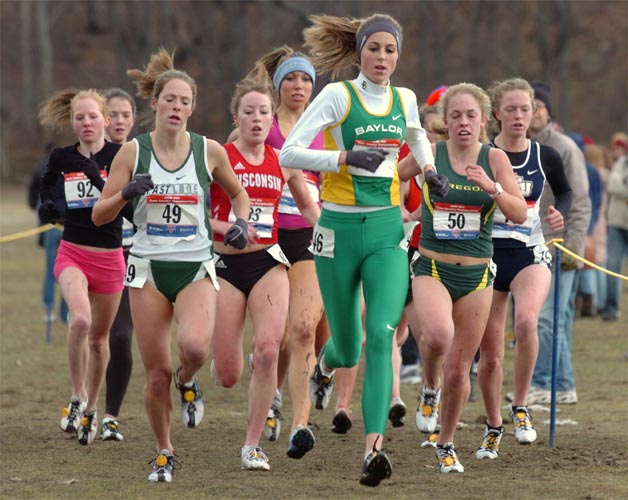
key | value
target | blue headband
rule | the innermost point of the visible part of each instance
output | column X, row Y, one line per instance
column 376, row 27
column 293, row 64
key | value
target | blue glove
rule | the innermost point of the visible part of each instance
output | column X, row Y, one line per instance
column 237, row 235
column 438, row 184
column 138, row 186
column 369, row 159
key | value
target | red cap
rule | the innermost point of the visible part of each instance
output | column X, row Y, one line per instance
column 436, row 94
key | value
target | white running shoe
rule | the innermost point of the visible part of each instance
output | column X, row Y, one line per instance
column 72, row 414
column 321, row 386
column 524, row 432
column 254, row 458
column 192, row 408
column 431, row 440
column 490, row 443
column 448, row 459
column 272, row 427
column 566, row 397
column 539, row 396
column 410, row 374
column 109, row 430
column 427, row 412
column 89, row 428
column 163, row 465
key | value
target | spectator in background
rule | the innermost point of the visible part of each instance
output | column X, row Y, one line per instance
column 583, row 293
column 573, row 233
column 617, row 188
column 49, row 240
column 594, row 154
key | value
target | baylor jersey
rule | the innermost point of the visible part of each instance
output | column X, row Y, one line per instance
column 362, row 130
column 461, row 222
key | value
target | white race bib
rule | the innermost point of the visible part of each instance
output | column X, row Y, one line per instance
column 503, row 228
column 79, row 191
column 211, row 270
column 261, row 216
column 408, row 230
column 323, row 242
column 387, row 167
column 136, row 272
column 276, row 253
column 172, row 215
column 453, row 221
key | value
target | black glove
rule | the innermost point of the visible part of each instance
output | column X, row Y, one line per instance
column 369, row 159
column 438, row 184
column 138, row 186
column 92, row 172
column 237, row 235
column 48, row 213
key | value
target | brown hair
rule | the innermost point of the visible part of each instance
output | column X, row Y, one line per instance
column 57, row 111
column 496, row 92
column 247, row 86
column 474, row 91
column 437, row 125
column 116, row 92
column 266, row 66
column 160, row 70
column 331, row 41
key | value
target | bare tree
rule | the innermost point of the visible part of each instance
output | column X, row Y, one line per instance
column 26, row 50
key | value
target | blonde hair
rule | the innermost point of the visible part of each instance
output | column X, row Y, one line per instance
column 331, row 41
column 247, row 86
column 474, row 91
column 58, row 110
column 437, row 126
column 160, row 70
column 594, row 154
column 496, row 92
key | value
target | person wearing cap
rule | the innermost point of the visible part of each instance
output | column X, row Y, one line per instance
column 617, row 235
column 365, row 121
column 293, row 77
column 576, row 222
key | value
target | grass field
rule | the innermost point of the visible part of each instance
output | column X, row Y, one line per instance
column 37, row 460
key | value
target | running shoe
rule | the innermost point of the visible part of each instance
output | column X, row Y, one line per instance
column 163, row 466
column 524, row 432
column 376, row 467
column 109, row 430
column 72, row 414
column 397, row 412
column 431, row 440
column 88, row 429
column 321, row 386
column 537, row 395
column 301, row 441
column 567, row 397
column 272, row 427
column 448, row 459
column 254, row 458
column 427, row 412
column 490, row 443
column 410, row 374
column 192, row 407
column 341, row 422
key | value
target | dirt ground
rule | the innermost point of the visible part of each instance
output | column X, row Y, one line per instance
column 37, row 460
